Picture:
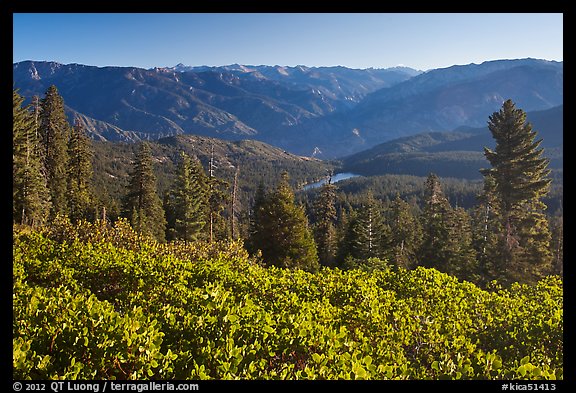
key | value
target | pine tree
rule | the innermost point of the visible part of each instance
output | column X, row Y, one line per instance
column 557, row 244
column 169, row 214
column 367, row 235
column 435, row 225
column 460, row 256
column 280, row 230
column 405, row 235
column 54, row 131
column 257, row 235
column 324, row 228
column 342, row 226
column 234, row 232
column 80, row 195
column 142, row 205
column 189, row 200
column 521, row 180
column 30, row 194
column 346, row 235
column 486, row 228
column 218, row 199
column 447, row 235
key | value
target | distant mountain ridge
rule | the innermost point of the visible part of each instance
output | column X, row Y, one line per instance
column 336, row 82
column 323, row 111
column 438, row 100
column 150, row 104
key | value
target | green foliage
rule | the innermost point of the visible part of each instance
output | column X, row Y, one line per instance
column 447, row 235
column 187, row 201
column 77, row 336
column 97, row 302
column 54, row 132
column 405, row 235
column 557, row 244
column 521, row 179
column 142, row 205
column 280, row 230
column 367, row 234
column 325, row 226
column 79, row 193
column 369, row 264
column 30, row 195
column 436, row 225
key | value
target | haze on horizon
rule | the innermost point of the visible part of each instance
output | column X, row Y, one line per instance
column 420, row 41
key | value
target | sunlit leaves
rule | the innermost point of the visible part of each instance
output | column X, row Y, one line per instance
column 107, row 304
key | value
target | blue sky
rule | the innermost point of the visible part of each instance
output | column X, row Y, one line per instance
column 421, row 41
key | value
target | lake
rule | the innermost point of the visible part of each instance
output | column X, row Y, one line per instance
column 336, row 178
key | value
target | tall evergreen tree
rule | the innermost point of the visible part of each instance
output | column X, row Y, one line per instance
column 142, row 205
column 218, row 199
column 199, row 183
column 486, row 228
column 324, row 228
column 169, row 214
column 405, row 235
column 342, row 227
column 54, row 132
column 367, row 236
column 447, row 235
column 435, row 225
column 257, row 236
column 30, row 195
column 521, row 178
column 281, row 230
column 189, row 200
column 80, row 194
column 557, row 244
column 346, row 235
column 234, row 230
column 460, row 256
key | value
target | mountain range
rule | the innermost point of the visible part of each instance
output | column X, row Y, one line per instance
column 127, row 103
column 328, row 112
column 438, row 100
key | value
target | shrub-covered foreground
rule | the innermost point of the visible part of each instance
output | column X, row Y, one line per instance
column 94, row 303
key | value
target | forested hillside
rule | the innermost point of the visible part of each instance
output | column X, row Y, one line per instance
column 459, row 192
column 253, row 162
column 458, row 154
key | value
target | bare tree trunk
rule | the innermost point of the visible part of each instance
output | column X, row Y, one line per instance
column 211, row 174
column 485, row 229
column 233, row 213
